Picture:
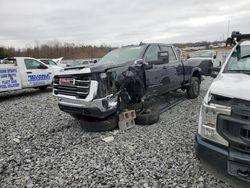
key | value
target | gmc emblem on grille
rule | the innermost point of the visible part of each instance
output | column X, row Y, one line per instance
column 67, row 81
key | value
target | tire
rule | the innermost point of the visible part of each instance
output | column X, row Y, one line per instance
column 147, row 117
column 98, row 125
column 43, row 87
column 194, row 90
column 75, row 116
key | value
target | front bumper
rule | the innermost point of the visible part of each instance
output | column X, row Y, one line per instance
column 98, row 108
column 228, row 161
column 87, row 111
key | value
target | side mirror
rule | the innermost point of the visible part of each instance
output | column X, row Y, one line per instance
column 188, row 56
column 215, row 56
column 163, row 56
column 215, row 72
column 95, row 61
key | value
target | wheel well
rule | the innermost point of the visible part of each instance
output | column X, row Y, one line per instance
column 196, row 74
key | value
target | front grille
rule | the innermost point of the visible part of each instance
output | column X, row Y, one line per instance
column 236, row 128
column 241, row 114
column 242, row 148
column 245, row 133
column 80, row 89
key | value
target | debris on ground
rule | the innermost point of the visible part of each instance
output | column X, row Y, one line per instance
column 108, row 139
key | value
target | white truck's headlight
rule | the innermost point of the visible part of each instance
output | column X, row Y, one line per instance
column 208, row 122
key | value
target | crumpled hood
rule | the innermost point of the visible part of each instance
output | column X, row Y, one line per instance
column 92, row 68
column 101, row 67
column 232, row 85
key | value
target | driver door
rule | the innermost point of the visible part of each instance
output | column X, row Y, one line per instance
column 156, row 81
column 36, row 74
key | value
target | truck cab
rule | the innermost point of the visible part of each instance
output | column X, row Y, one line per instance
column 24, row 72
column 223, row 138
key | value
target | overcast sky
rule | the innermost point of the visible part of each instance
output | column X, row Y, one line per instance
column 119, row 22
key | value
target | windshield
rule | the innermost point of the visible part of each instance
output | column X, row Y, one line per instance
column 48, row 62
column 209, row 54
column 123, row 55
column 239, row 61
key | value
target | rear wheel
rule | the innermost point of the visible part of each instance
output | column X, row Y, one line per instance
column 194, row 90
column 96, row 125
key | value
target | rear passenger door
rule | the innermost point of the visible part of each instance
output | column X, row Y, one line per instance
column 156, row 79
column 174, row 68
column 36, row 73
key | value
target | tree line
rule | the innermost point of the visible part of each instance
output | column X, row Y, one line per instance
column 55, row 49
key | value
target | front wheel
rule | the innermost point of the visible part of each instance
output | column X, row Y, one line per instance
column 43, row 87
column 194, row 90
column 97, row 125
column 148, row 116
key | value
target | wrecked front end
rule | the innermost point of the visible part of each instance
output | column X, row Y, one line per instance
column 97, row 92
column 85, row 93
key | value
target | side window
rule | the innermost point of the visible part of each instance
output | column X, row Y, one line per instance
column 33, row 64
column 152, row 53
column 172, row 56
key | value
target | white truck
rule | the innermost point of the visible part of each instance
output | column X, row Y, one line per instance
column 24, row 72
column 223, row 138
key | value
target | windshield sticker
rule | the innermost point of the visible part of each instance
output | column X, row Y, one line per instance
column 38, row 77
column 9, row 79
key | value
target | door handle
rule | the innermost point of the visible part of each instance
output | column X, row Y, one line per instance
column 165, row 67
column 29, row 72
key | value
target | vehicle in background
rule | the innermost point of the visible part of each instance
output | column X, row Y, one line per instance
column 52, row 64
column 24, row 72
column 205, row 59
column 58, row 60
column 125, row 76
column 223, row 138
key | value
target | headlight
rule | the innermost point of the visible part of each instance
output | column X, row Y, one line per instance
column 208, row 122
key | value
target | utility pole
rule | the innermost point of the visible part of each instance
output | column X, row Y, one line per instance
column 228, row 27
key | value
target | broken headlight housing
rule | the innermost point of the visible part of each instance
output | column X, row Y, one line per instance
column 208, row 122
column 103, row 75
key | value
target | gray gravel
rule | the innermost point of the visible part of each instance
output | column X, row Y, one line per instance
column 40, row 146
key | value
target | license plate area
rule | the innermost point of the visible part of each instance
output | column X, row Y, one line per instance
column 239, row 170
column 66, row 81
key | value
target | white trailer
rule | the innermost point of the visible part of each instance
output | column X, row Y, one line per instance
column 24, row 72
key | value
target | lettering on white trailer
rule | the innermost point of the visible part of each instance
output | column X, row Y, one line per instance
column 9, row 79
column 38, row 79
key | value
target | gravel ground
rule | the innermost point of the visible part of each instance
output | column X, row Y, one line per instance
column 40, row 146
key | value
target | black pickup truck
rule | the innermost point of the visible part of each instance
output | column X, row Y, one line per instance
column 130, row 74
